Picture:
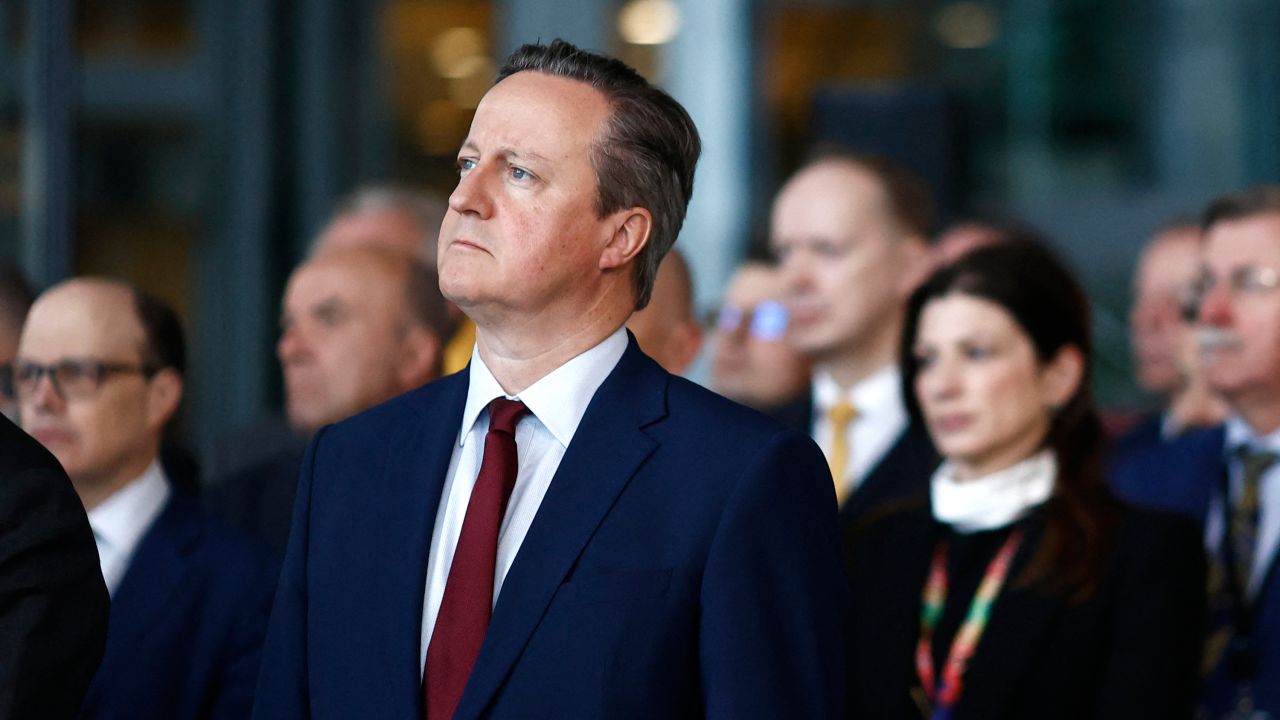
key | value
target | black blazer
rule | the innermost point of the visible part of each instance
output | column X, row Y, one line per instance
column 902, row 474
column 1129, row 652
column 53, row 603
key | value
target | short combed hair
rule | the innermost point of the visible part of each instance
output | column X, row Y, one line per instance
column 162, row 345
column 909, row 198
column 647, row 153
column 1256, row 200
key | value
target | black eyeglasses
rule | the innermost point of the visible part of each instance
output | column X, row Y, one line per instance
column 72, row 378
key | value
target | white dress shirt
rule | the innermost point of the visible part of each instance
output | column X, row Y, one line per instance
column 881, row 419
column 556, row 405
column 1238, row 434
column 121, row 520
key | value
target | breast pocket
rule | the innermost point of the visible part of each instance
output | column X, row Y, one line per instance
column 618, row 586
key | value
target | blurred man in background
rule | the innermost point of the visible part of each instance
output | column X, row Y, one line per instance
column 667, row 329
column 851, row 236
column 753, row 363
column 358, row 326
column 99, row 373
column 404, row 219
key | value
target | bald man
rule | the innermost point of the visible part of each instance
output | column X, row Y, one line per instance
column 666, row 328
column 99, row 373
column 753, row 363
column 358, row 326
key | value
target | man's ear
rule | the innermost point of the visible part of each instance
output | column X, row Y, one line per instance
column 630, row 236
column 419, row 358
column 917, row 264
column 164, row 393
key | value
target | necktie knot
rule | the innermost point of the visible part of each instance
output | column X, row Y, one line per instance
column 841, row 414
column 505, row 414
column 1253, row 464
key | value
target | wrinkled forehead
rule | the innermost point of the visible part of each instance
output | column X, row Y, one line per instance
column 356, row 277
column 1251, row 241
column 754, row 284
column 83, row 320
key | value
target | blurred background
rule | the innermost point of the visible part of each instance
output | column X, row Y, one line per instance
column 195, row 146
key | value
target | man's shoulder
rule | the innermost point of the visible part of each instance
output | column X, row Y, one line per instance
column 699, row 408
column 209, row 546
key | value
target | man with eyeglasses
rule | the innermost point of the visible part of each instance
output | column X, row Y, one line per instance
column 753, row 363
column 851, row 236
column 99, row 373
column 1228, row 477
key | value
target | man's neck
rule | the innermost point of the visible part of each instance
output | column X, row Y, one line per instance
column 856, row 361
column 519, row 359
column 95, row 490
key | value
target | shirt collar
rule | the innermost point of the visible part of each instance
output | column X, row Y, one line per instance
column 120, row 520
column 1239, row 434
column 559, row 399
column 879, row 389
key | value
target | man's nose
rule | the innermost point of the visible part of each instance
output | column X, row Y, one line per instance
column 472, row 195
column 291, row 346
column 45, row 396
column 1215, row 307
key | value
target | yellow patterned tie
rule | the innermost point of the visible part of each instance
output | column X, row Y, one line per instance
column 1244, row 516
column 840, row 415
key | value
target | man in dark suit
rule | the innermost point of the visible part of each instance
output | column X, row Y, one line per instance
column 565, row 529
column 53, row 604
column 1161, row 341
column 98, row 375
column 851, row 236
column 1228, row 477
column 359, row 325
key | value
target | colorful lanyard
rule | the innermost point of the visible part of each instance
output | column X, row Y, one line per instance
column 943, row 695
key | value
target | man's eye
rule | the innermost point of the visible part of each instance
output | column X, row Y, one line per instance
column 977, row 353
column 465, row 164
column 519, row 173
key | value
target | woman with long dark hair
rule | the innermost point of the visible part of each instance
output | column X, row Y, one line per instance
column 1022, row 588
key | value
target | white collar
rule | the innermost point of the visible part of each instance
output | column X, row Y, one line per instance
column 1238, row 434
column 559, row 399
column 882, row 388
column 995, row 500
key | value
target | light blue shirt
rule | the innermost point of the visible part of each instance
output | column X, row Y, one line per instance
column 1238, row 434
column 556, row 405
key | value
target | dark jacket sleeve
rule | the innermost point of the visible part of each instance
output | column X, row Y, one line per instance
column 53, row 602
column 1158, row 631
column 773, row 592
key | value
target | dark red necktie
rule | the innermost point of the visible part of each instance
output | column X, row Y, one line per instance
column 468, row 593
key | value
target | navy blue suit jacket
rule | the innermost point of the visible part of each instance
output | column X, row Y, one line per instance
column 685, row 562
column 187, row 623
column 900, row 476
column 1185, row 474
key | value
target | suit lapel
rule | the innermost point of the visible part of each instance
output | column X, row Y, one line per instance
column 418, row 460
column 155, row 572
column 608, row 448
column 1013, row 633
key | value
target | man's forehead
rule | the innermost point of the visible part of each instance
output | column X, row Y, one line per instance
column 1251, row 240
column 535, row 114
column 87, row 319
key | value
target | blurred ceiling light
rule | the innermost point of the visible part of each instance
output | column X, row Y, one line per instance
column 467, row 90
column 967, row 25
column 456, row 51
column 649, row 22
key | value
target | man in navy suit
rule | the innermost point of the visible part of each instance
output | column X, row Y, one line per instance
column 851, row 235
column 564, row 530
column 1228, row 477
column 98, row 375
